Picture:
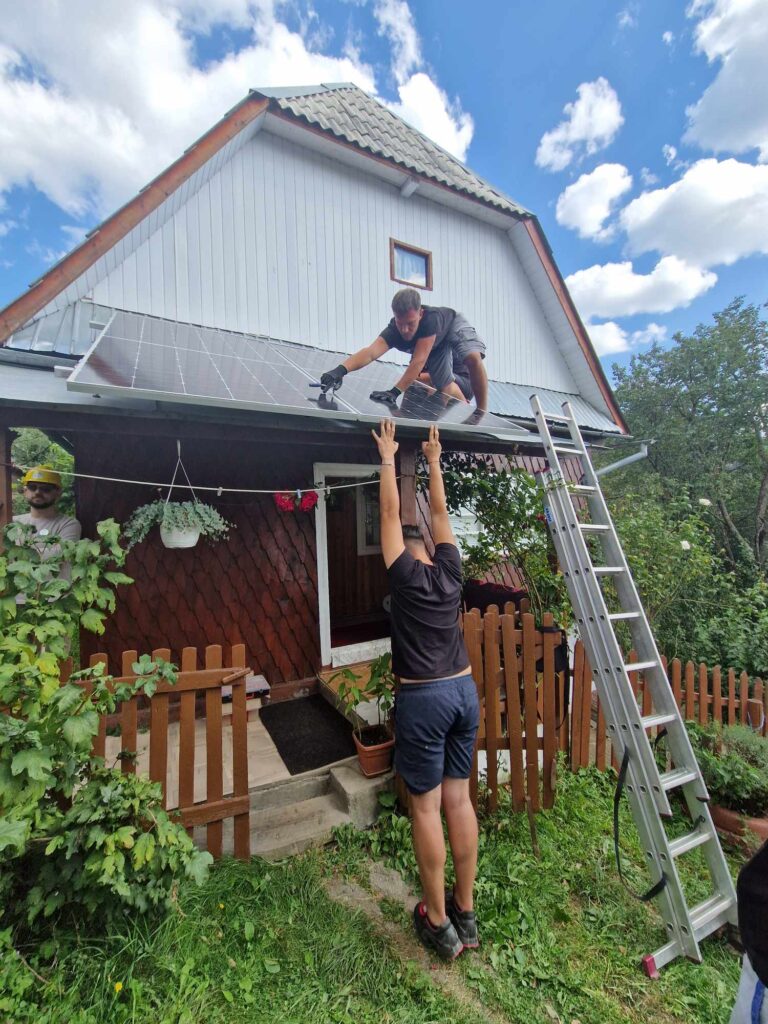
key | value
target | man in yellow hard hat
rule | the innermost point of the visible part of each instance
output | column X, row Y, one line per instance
column 42, row 490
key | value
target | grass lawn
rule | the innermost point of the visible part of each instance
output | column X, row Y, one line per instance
column 562, row 940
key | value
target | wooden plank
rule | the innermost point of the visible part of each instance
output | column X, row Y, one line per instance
column 717, row 695
column 472, row 626
column 129, row 733
column 6, row 481
column 242, row 822
column 743, row 697
column 187, row 734
column 600, row 737
column 585, row 716
column 214, row 812
column 703, row 694
column 158, row 731
column 214, row 768
column 100, row 739
column 731, row 696
column 690, row 691
column 576, row 704
column 549, row 641
column 514, row 712
column 491, row 703
column 531, row 718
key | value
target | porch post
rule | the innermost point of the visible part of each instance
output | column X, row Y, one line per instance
column 408, row 509
column 6, row 479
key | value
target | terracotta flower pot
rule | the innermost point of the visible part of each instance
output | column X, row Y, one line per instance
column 376, row 759
column 738, row 824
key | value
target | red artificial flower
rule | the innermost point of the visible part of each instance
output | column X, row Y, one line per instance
column 308, row 501
column 284, row 501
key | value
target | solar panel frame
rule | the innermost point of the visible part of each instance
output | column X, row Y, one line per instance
column 170, row 361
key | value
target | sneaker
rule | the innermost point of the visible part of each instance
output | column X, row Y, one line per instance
column 464, row 921
column 442, row 940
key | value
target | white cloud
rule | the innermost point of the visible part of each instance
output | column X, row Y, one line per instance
column 717, row 213
column 586, row 204
column 395, row 21
column 424, row 105
column 648, row 177
column 6, row 226
column 607, row 338
column 732, row 114
column 615, row 290
column 668, row 38
column 670, row 154
column 627, row 18
column 591, row 124
column 96, row 99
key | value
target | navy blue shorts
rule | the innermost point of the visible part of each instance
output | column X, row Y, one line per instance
column 435, row 728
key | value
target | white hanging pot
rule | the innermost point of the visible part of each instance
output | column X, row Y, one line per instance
column 175, row 538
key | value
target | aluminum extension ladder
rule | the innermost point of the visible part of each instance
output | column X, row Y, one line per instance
column 647, row 786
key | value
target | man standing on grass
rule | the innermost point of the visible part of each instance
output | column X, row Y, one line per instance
column 436, row 708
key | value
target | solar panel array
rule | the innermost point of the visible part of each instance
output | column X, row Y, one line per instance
column 166, row 361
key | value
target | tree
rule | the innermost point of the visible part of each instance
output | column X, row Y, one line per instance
column 705, row 404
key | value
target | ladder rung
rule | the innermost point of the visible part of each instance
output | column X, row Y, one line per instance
column 689, row 842
column 649, row 721
column 582, row 489
column 594, row 527
column 606, row 570
column 678, row 777
column 567, row 451
column 708, row 911
column 615, row 616
column 640, row 666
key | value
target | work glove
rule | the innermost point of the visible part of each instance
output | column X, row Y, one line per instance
column 388, row 397
column 333, row 378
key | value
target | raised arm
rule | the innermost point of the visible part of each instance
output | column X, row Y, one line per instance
column 418, row 361
column 441, row 524
column 392, row 545
column 356, row 361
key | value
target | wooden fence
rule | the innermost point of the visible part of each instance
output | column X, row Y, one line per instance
column 522, row 701
column 701, row 693
column 193, row 686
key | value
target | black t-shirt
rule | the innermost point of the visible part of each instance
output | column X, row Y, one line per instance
column 752, row 895
column 427, row 642
column 437, row 320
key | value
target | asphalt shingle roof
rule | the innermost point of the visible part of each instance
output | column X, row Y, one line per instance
column 349, row 113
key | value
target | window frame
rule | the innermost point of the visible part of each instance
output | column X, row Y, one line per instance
column 416, row 251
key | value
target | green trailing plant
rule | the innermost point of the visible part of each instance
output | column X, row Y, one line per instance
column 508, row 504
column 176, row 515
column 735, row 780
column 75, row 835
column 379, row 689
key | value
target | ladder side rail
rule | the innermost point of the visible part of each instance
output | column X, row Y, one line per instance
column 650, row 827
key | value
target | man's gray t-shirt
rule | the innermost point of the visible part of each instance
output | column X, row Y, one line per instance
column 61, row 526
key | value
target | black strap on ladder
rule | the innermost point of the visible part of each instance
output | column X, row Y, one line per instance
column 655, row 889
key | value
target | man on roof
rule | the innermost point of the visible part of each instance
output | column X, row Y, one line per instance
column 441, row 342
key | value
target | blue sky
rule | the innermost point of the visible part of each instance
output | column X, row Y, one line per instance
column 636, row 131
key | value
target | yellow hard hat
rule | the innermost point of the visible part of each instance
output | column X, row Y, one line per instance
column 42, row 475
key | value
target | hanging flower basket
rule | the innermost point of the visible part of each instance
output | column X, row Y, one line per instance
column 295, row 501
column 181, row 523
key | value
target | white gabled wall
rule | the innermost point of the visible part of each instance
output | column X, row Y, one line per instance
column 286, row 242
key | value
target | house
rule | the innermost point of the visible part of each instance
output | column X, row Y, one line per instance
column 195, row 318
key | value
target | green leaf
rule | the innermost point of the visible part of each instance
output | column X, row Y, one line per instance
column 13, row 834
column 249, row 930
column 272, row 966
column 93, row 620
column 80, row 730
column 36, row 763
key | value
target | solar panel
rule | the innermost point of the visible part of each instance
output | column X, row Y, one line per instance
column 166, row 361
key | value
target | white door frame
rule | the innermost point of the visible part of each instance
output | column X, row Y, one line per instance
column 321, row 471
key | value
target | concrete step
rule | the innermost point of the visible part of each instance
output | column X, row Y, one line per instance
column 282, row 831
column 290, row 791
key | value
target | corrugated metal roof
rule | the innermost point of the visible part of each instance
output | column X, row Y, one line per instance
column 515, row 400
column 349, row 113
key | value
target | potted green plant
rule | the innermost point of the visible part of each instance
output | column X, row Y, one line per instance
column 734, row 763
column 181, row 523
column 374, row 742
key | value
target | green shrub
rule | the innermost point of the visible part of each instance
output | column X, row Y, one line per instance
column 74, row 834
column 732, row 779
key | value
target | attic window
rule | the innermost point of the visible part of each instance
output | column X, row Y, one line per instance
column 409, row 265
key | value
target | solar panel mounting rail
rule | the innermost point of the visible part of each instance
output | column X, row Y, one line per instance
column 647, row 786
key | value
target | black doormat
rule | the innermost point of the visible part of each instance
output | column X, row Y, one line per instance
column 308, row 733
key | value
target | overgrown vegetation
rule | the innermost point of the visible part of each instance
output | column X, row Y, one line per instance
column 76, row 836
column 561, row 940
column 734, row 763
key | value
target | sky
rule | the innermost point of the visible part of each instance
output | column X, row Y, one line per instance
column 636, row 130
